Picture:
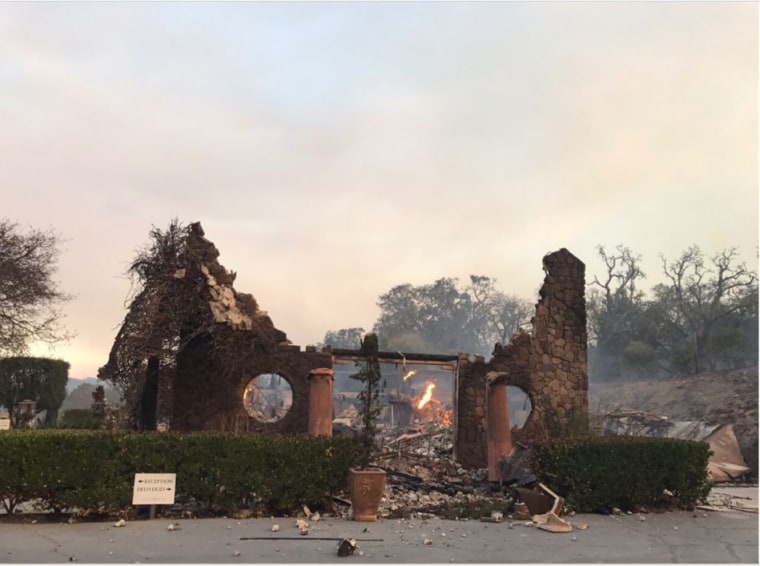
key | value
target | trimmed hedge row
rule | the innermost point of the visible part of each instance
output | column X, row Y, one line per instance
column 597, row 473
column 94, row 470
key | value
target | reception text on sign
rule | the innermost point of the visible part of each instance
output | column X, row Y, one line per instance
column 154, row 489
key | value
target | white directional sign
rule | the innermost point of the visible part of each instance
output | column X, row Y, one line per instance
column 154, row 489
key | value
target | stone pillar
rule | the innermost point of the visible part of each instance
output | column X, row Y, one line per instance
column 499, row 430
column 321, row 401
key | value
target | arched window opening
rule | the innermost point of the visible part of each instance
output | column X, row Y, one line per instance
column 519, row 406
column 268, row 397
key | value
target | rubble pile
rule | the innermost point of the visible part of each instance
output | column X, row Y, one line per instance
column 423, row 479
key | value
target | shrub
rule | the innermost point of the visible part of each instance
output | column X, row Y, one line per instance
column 78, row 418
column 596, row 473
column 94, row 470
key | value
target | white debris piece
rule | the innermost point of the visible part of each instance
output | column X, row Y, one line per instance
column 275, row 528
column 120, row 523
column 173, row 527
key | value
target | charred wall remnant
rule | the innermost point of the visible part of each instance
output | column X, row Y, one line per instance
column 190, row 344
column 549, row 363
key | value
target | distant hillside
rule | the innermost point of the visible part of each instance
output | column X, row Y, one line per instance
column 73, row 383
column 80, row 397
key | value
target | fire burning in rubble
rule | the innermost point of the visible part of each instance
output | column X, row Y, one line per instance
column 410, row 373
column 444, row 417
column 427, row 396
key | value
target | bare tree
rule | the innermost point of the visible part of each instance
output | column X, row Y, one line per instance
column 613, row 305
column 498, row 314
column 29, row 296
column 703, row 295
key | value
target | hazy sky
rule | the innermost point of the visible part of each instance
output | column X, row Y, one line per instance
column 334, row 150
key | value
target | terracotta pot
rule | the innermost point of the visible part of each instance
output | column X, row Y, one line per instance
column 367, row 487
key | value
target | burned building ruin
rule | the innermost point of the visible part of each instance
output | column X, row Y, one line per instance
column 194, row 354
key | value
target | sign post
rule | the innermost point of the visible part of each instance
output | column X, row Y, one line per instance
column 154, row 489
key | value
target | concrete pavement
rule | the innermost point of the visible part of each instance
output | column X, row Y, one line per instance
column 703, row 536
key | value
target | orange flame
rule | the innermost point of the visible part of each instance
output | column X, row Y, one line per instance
column 410, row 373
column 427, row 396
column 445, row 417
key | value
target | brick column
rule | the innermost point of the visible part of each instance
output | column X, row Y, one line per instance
column 321, row 401
column 499, row 433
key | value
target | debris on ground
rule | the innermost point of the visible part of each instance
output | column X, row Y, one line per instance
column 533, row 502
column 423, row 477
column 346, row 547
column 275, row 528
column 515, row 467
column 551, row 521
column 120, row 523
column 521, row 511
column 496, row 517
column 729, row 499
column 173, row 527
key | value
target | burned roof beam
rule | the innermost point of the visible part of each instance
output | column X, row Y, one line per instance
column 396, row 356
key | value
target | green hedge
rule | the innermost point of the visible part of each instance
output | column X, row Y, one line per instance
column 597, row 473
column 94, row 470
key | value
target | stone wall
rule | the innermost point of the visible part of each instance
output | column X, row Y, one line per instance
column 471, row 412
column 204, row 400
column 238, row 343
column 549, row 363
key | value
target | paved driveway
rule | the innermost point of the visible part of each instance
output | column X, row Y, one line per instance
column 704, row 536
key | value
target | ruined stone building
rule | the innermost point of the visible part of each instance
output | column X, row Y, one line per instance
column 191, row 346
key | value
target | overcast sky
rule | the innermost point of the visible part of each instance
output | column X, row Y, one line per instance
column 332, row 151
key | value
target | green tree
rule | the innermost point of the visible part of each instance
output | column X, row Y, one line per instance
column 424, row 315
column 346, row 338
column 369, row 398
column 38, row 379
column 443, row 317
column 29, row 295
